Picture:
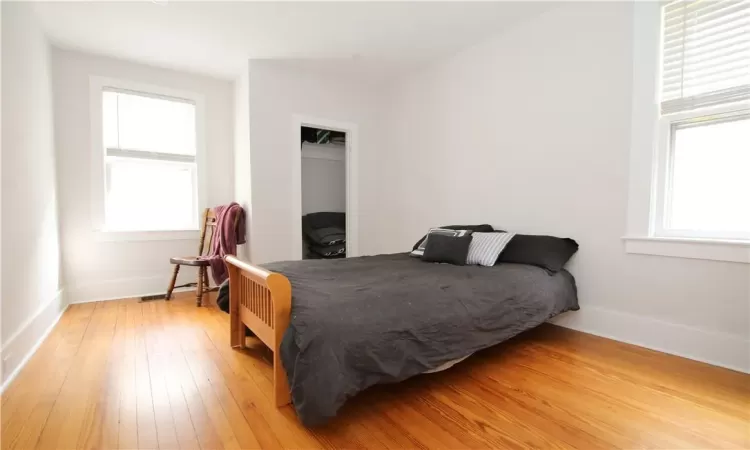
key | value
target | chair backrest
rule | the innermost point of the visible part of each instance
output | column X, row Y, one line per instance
column 209, row 222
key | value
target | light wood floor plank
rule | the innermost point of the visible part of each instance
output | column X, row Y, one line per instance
column 287, row 429
column 126, row 374
column 518, row 411
column 156, row 354
column 97, row 344
column 145, row 419
column 202, row 367
column 669, row 410
column 64, row 423
column 90, row 435
column 104, row 431
column 207, row 435
column 191, row 346
column 13, row 395
column 170, row 348
column 63, row 339
column 40, row 384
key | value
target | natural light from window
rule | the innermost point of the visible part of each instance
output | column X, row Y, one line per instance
column 711, row 177
column 150, row 158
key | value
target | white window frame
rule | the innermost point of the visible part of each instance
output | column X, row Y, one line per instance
column 97, row 85
column 665, row 164
column 650, row 153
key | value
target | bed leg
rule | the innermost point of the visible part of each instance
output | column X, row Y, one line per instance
column 238, row 333
column 280, row 383
column 236, row 327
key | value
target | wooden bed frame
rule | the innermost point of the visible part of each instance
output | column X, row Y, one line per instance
column 262, row 301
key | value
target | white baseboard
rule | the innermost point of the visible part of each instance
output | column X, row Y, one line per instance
column 719, row 349
column 17, row 350
column 126, row 287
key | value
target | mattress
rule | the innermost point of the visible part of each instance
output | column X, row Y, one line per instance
column 357, row 322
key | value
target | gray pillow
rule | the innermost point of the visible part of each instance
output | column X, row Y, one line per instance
column 483, row 228
column 447, row 249
column 419, row 249
column 486, row 247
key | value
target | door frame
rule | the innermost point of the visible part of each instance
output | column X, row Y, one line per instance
column 352, row 180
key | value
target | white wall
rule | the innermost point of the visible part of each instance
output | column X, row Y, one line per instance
column 323, row 180
column 242, row 181
column 277, row 93
column 31, row 296
column 95, row 269
column 530, row 132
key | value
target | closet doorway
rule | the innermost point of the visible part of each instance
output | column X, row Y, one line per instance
column 324, row 207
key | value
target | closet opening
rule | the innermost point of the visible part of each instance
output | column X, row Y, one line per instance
column 324, row 209
column 323, row 191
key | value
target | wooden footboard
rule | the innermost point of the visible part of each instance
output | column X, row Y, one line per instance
column 262, row 301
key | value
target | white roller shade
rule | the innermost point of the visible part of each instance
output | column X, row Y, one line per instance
column 706, row 53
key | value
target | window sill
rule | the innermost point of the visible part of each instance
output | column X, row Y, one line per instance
column 137, row 236
column 710, row 249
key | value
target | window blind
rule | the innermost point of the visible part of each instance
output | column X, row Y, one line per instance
column 705, row 54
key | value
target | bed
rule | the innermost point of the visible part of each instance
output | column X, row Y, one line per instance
column 337, row 327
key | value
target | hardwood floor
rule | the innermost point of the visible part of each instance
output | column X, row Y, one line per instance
column 161, row 374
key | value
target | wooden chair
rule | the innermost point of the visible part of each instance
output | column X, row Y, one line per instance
column 202, row 286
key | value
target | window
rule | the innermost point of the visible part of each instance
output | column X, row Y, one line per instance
column 150, row 167
column 703, row 172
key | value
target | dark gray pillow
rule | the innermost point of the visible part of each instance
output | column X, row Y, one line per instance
column 484, row 228
column 327, row 236
column 548, row 252
column 329, row 250
column 324, row 228
column 419, row 251
column 447, row 249
column 319, row 220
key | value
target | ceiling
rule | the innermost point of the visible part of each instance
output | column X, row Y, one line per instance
column 370, row 39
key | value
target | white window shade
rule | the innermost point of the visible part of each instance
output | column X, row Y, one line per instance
column 706, row 54
column 149, row 124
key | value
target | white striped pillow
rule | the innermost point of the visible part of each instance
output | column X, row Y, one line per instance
column 486, row 247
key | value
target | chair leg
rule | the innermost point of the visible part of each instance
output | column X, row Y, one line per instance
column 206, row 284
column 199, row 288
column 172, row 283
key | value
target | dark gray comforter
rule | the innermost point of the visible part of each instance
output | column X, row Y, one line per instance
column 362, row 321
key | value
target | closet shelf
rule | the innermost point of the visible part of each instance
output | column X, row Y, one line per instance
column 332, row 152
